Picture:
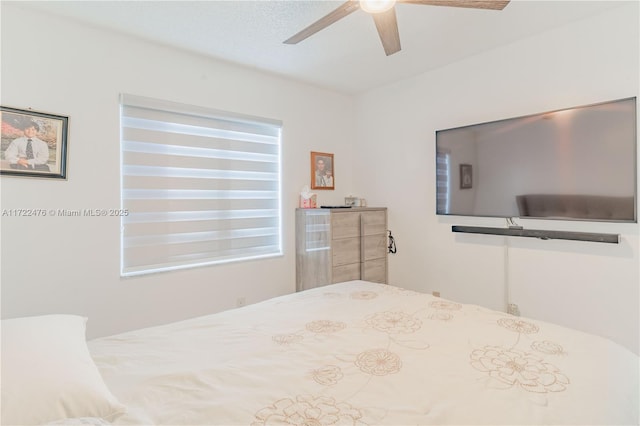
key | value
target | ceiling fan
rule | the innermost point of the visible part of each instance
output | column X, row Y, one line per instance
column 384, row 16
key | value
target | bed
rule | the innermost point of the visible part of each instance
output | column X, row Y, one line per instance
column 359, row 353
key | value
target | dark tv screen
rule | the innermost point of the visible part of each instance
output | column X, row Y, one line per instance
column 571, row 164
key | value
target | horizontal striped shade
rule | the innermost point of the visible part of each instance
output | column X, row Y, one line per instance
column 442, row 182
column 201, row 186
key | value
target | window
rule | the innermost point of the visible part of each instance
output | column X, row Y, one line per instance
column 442, row 181
column 200, row 186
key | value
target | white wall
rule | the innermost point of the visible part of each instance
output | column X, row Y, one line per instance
column 71, row 264
column 588, row 286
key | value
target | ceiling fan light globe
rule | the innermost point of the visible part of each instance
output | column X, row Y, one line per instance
column 376, row 6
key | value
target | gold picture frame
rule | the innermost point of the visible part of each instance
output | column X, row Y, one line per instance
column 322, row 171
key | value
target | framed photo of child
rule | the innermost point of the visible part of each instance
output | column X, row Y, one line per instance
column 322, row 171
column 33, row 143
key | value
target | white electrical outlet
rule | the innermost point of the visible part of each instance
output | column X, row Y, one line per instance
column 512, row 309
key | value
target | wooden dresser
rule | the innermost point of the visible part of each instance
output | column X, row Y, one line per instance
column 335, row 245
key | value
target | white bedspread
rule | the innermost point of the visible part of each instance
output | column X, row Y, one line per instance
column 363, row 353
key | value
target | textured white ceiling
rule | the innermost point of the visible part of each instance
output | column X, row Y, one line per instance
column 347, row 56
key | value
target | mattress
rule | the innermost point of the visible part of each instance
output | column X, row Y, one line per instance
column 360, row 353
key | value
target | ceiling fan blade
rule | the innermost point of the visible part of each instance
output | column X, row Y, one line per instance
column 322, row 23
column 472, row 4
column 387, row 26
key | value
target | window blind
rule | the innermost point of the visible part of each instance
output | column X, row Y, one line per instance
column 200, row 186
column 442, row 181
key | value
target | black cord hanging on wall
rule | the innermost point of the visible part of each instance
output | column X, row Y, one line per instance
column 392, row 243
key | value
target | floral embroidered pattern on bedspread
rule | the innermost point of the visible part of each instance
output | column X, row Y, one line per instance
column 360, row 353
column 507, row 366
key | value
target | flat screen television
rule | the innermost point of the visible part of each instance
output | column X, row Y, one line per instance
column 571, row 164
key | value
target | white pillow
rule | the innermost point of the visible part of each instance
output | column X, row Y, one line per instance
column 48, row 373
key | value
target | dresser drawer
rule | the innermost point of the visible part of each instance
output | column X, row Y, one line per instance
column 345, row 251
column 345, row 273
column 345, row 225
column 374, row 246
column 374, row 222
column 375, row 270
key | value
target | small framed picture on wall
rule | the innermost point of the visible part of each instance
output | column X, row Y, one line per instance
column 322, row 171
column 33, row 143
column 466, row 176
